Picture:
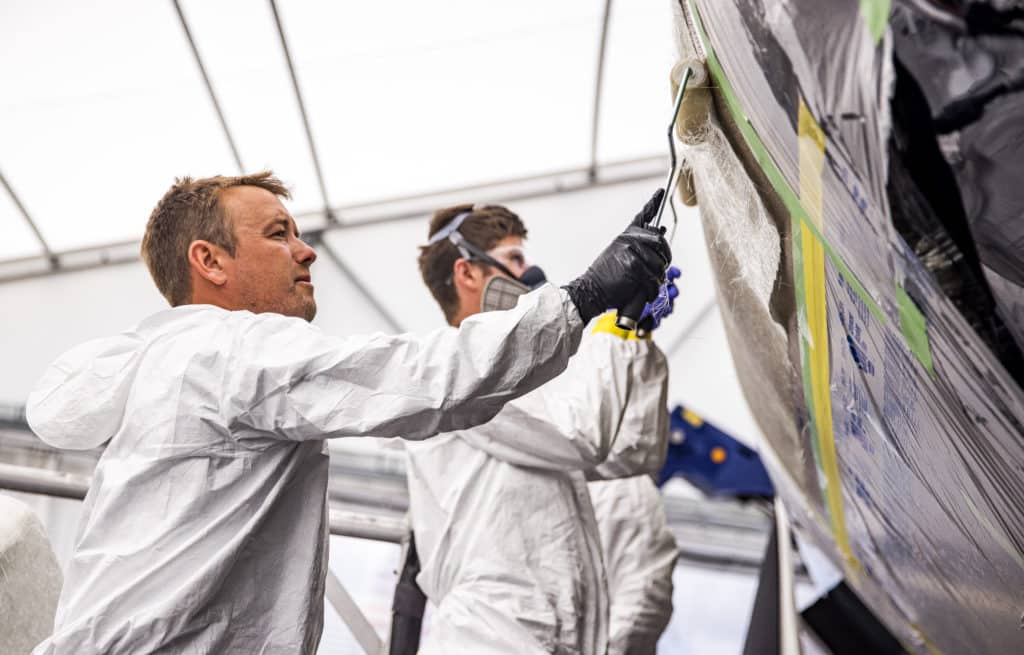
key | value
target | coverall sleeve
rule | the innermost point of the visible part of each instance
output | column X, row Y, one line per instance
column 575, row 421
column 296, row 383
column 641, row 443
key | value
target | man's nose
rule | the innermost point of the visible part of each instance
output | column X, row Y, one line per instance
column 304, row 253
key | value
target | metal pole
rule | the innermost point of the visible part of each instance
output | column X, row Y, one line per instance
column 363, row 525
column 54, row 261
column 595, row 127
column 789, row 631
column 350, row 613
column 689, row 520
column 328, row 213
column 209, row 86
column 32, row 480
column 763, row 629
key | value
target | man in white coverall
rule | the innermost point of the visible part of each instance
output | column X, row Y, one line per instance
column 639, row 556
column 639, row 551
column 505, row 532
column 205, row 528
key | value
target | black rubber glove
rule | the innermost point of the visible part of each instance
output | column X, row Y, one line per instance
column 632, row 266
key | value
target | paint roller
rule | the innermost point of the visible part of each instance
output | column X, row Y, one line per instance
column 689, row 80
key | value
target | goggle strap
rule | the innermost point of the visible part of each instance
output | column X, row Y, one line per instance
column 450, row 229
column 465, row 246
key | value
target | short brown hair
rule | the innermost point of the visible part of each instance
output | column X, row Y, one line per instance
column 484, row 227
column 191, row 210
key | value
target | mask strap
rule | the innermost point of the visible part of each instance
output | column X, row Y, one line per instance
column 449, row 229
column 471, row 252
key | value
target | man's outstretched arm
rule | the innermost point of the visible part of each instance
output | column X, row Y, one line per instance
column 299, row 384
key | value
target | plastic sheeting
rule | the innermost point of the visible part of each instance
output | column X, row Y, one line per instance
column 914, row 425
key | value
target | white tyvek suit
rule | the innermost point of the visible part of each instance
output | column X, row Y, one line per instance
column 506, row 536
column 639, row 556
column 205, row 529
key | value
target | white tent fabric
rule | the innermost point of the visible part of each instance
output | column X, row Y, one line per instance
column 106, row 103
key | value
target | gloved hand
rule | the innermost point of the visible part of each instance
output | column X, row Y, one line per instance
column 632, row 266
column 663, row 305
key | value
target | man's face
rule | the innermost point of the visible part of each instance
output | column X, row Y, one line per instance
column 270, row 269
column 470, row 286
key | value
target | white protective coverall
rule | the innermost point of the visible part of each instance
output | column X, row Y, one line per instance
column 205, row 528
column 639, row 557
column 506, row 536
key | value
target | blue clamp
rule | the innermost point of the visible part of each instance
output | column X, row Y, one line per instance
column 712, row 461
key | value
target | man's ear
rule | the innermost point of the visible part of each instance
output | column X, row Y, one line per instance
column 466, row 276
column 207, row 260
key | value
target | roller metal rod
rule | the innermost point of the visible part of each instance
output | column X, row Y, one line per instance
column 629, row 316
column 673, row 170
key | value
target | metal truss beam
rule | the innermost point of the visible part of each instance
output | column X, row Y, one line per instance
column 47, row 251
column 209, row 87
column 328, row 212
column 598, row 82
column 390, row 210
column 325, row 248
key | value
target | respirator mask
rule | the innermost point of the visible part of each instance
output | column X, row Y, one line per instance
column 502, row 292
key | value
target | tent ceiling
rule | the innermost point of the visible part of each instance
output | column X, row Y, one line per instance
column 107, row 103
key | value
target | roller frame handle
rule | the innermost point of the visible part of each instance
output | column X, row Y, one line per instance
column 629, row 316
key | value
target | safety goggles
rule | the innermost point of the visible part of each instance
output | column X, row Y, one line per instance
column 513, row 256
column 501, row 258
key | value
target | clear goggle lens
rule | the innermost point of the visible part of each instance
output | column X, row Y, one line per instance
column 513, row 257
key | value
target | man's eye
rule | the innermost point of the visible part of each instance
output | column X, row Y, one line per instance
column 279, row 234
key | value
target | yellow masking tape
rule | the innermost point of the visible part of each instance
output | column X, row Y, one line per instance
column 812, row 166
